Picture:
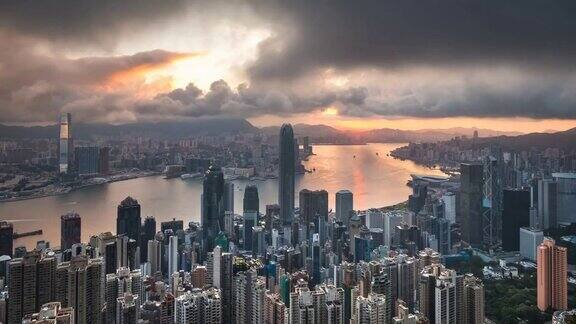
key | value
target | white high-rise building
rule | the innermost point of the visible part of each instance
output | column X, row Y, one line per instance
column 173, row 255
column 66, row 147
column 374, row 219
column 445, row 298
column 530, row 239
column 391, row 220
column 154, row 256
column 449, row 199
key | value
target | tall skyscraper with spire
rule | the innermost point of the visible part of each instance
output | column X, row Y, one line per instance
column 66, row 146
column 286, row 174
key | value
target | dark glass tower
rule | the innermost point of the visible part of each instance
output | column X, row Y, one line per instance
column 147, row 234
column 128, row 221
column 287, row 161
column 515, row 214
column 6, row 238
column 470, row 203
column 251, row 200
column 70, row 230
column 212, row 205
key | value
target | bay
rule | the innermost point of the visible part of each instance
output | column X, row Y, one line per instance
column 375, row 179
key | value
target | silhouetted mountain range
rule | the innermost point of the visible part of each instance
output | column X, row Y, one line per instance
column 323, row 132
column 317, row 133
column 178, row 129
column 565, row 140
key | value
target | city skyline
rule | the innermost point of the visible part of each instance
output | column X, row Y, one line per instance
column 287, row 162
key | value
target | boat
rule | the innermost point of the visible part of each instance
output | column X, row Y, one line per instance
column 195, row 175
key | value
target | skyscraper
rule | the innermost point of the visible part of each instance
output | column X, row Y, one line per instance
column 228, row 196
column 119, row 283
column 445, row 297
column 313, row 205
column 344, row 205
column 66, row 146
column 172, row 255
column 250, row 220
column 198, row 306
column 79, row 286
column 287, row 172
column 128, row 221
column 470, row 203
column 6, row 238
column 547, row 203
column 515, row 215
column 146, row 234
column 473, row 300
column 30, row 284
column 87, row 160
column 552, row 284
column 251, row 200
column 212, row 205
column 566, row 197
column 530, row 240
column 70, row 230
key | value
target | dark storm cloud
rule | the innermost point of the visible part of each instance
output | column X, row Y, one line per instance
column 85, row 22
column 243, row 101
column 35, row 86
column 398, row 33
column 532, row 38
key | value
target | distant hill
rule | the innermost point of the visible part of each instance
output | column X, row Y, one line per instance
column 178, row 129
column 385, row 135
column 565, row 140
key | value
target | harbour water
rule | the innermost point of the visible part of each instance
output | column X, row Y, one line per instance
column 375, row 178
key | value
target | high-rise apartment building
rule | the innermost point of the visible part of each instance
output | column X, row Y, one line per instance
column 78, row 285
column 52, row 312
column 371, row 309
column 70, row 230
column 552, row 284
column 445, row 298
column 286, row 174
column 473, row 300
column 117, row 285
column 30, row 284
column 199, row 306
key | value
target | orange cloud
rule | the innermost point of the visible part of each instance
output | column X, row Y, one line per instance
column 137, row 74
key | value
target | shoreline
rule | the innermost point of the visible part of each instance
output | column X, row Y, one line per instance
column 71, row 189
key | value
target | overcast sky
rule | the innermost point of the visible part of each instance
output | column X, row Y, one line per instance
column 352, row 64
